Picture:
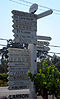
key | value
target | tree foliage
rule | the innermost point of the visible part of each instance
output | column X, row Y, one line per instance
column 56, row 61
column 47, row 78
column 3, row 79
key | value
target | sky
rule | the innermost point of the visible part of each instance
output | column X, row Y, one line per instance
column 47, row 26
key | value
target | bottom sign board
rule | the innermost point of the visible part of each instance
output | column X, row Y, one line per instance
column 18, row 66
column 18, row 87
column 19, row 96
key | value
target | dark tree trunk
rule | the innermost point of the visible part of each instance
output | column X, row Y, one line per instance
column 44, row 93
column 45, row 97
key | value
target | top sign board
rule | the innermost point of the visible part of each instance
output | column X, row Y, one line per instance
column 24, row 21
column 25, row 27
column 33, row 8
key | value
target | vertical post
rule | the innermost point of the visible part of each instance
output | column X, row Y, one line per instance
column 33, row 50
column 33, row 69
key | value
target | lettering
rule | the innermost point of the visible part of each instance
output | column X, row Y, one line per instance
column 18, row 96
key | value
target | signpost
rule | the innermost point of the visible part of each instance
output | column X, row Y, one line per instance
column 21, row 60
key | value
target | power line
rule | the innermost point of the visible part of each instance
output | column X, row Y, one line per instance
column 26, row 1
column 2, row 45
column 3, row 39
column 18, row 2
column 49, row 8
column 53, row 52
column 56, row 10
column 57, row 13
column 54, row 46
column 41, row 6
column 49, row 45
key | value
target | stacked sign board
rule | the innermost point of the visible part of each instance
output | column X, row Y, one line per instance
column 25, row 27
column 42, row 49
column 19, row 64
column 43, row 46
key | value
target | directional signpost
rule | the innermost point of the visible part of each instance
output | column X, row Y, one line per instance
column 22, row 60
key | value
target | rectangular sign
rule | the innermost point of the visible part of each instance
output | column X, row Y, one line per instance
column 42, row 43
column 24, row 32
column 20, row 84
column 25, row 39
column 19, row 96
column 19, row 64
column 26, row 24
column 44, row 38
column 24, row 27
column 43, row 48
column 24, row 21
column 17, row 68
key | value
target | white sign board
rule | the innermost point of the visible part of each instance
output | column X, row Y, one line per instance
column 42, row 43
column 44, row 14
column 44, row 38
column 25, row 27
column 19, row 64
column 25, row 39
column 43, row 48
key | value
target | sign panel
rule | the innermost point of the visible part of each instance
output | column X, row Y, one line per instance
column 19, row 96
column 17, row 69
column 19, row 64
column 18, row 84
column 25, row 39
column 24, row 21
column 24, row 32
column 44, row 38
column 43, row 48
column 42, row 43
column 44, row 14
column 25, row 27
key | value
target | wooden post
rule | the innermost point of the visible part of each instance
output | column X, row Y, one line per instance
column 33, row 69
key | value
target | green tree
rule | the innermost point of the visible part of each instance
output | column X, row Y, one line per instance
column 47, row 80
column 56, row 61
column 4, row 66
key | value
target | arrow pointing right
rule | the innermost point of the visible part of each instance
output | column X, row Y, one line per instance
column 46, row 13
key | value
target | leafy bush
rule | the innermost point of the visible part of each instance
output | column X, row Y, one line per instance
column 3, row 78
column 48, row 79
